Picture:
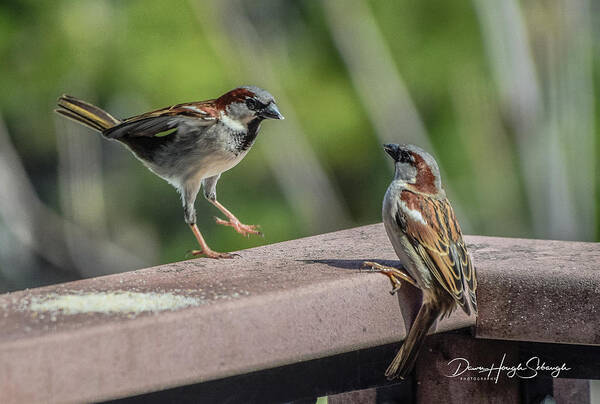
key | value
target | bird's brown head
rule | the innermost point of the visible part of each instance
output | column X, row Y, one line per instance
column 245, row 104
column 416, row 167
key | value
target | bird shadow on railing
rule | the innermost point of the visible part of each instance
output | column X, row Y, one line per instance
column 355, row 264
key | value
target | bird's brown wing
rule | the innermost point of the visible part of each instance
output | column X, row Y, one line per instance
column 435, row 234
column 161, row 121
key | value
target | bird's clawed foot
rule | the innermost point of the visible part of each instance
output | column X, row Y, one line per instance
column 395, row 275
column 208, row 253
column 369, row 266
column 243, row 229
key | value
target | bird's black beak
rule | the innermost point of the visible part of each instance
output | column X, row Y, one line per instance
column 393, row 150
column 271, row 111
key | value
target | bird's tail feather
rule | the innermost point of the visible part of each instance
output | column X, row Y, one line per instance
column 87, row 114
column 406, row 357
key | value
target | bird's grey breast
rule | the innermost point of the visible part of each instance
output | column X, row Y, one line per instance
column 213, row 152
column 410, row 259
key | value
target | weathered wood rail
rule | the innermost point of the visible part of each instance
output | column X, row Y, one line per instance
column 297, row 320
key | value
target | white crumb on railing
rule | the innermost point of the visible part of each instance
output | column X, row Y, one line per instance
column 111, row 302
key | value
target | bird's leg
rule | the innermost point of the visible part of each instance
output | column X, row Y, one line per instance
column 210, row 193
column 188, row 197
column 395, row 274
column 204, row 248
column 243, row 229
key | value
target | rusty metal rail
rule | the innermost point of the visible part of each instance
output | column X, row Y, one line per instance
column 279, row 312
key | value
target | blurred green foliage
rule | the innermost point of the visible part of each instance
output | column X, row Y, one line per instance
column 129, row 57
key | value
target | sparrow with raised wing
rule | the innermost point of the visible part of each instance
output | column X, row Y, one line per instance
column 425, row 234
column 189, row 145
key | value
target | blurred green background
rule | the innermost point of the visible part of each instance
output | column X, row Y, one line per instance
column 502, row 93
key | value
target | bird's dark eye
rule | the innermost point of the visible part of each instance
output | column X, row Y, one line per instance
column 252, row 104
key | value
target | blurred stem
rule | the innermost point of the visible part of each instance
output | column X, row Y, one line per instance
column 374, row 73
column 380, row 86
column 546, row 129
column 571, row 110
column 80, row 177
column 43, row 231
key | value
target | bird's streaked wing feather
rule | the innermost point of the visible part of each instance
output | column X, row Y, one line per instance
column 155, row 122
column 436, row 237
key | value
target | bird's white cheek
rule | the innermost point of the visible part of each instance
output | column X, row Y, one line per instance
column 413, row 214
column 231, row 123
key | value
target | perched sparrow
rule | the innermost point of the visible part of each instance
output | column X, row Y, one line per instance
column 189, row 145
column 421, row 225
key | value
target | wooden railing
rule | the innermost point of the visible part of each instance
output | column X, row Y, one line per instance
column 297, row 320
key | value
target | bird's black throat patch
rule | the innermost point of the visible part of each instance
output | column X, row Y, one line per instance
column 244, row 140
